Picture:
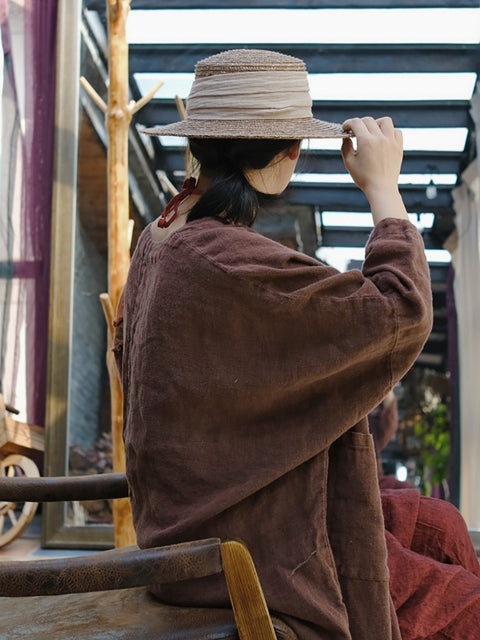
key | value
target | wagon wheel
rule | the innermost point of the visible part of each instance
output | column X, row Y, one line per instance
column 16, row 516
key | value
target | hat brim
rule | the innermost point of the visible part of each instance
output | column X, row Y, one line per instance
column 259, row 129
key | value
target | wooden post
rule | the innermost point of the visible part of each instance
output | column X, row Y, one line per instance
column 119, row 115
column 118, row 121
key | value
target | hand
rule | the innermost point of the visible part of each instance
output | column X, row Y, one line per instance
column 375, row 164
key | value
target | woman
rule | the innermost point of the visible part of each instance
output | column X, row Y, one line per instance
column 248, row 369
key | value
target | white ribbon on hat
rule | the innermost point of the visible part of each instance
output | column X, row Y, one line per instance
column 250, row 95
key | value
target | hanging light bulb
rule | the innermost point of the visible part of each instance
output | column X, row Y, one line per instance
column 431, row 190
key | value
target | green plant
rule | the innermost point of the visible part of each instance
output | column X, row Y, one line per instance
column 433, row 432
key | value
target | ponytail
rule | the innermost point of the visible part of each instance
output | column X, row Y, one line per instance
column 229, row 196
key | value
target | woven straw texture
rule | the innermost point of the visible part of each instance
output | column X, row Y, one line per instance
column 237, row 60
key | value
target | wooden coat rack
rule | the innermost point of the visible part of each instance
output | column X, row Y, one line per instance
column 119, row 112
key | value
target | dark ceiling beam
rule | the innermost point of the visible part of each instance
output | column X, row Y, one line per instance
column 438, row 347
column 443, row 224
column 319, row 58
column 446, row 113
column 99, row 5
column 438, row 275
column 350, row 237
column 413, row 162
column 328, row 161
column 440, row 323
column 345, row 197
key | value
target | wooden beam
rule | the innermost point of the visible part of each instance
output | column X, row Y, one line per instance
column 438, row 275
column 345, row 197
column 350, row 237
column 436, row 346
column 171, row 159
column 439, row 272
column 319, row 58
column 411, row 114
column 98, row 5
column 318, row 161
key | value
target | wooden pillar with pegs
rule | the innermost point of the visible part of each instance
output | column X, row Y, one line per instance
column 119, row 115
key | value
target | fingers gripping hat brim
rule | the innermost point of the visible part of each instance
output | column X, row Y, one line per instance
column 250, row 93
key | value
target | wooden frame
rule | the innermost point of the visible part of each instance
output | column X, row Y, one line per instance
column 55, row 533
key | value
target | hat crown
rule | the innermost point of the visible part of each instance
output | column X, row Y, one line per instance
column 247, row 60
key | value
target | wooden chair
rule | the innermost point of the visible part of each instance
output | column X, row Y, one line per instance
column 104, row 595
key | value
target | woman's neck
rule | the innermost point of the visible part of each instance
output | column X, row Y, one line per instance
column 184, row 208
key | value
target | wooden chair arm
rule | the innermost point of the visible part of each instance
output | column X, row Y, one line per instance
column 246, row 595
column 109, row 570
column 56, row 489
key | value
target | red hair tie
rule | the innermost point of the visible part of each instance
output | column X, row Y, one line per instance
column 171, row 210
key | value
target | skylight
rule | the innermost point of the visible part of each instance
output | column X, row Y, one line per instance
column 429, row 139
column 364, row 220
column 345, row 86
column 340, row 257
column 250, row 26
column 391, row 86
column 405, row 178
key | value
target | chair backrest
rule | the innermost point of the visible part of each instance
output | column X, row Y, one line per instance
column 132, row 567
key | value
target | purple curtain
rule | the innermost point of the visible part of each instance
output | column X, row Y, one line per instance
column 28, row 111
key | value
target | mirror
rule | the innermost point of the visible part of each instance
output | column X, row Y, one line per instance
column 78, row 411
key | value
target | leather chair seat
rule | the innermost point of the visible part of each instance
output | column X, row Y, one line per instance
column 127, row 614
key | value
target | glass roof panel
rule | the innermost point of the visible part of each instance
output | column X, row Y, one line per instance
column 356, row 220
column 345, row 86
column 391, row 86
column 405, row 178
column 431, row 139
column 339, row 257
column 249, row 26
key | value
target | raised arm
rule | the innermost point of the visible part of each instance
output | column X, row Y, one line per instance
column 375, row 164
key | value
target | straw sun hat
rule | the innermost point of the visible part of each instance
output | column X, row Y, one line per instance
column 250, row 93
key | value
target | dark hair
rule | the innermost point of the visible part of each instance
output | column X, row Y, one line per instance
column 229, row 195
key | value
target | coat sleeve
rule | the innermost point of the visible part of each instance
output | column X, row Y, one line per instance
column 350, row 337
column 395, row 263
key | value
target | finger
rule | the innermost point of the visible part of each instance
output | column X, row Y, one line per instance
column 371, row 125
column 386, row 126
column 357, row 126
column 398, row 136
column 347, row 149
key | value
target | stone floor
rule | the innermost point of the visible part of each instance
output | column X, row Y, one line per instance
column 28, row 547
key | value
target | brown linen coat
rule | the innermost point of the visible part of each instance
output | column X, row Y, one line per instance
column 248, row 370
